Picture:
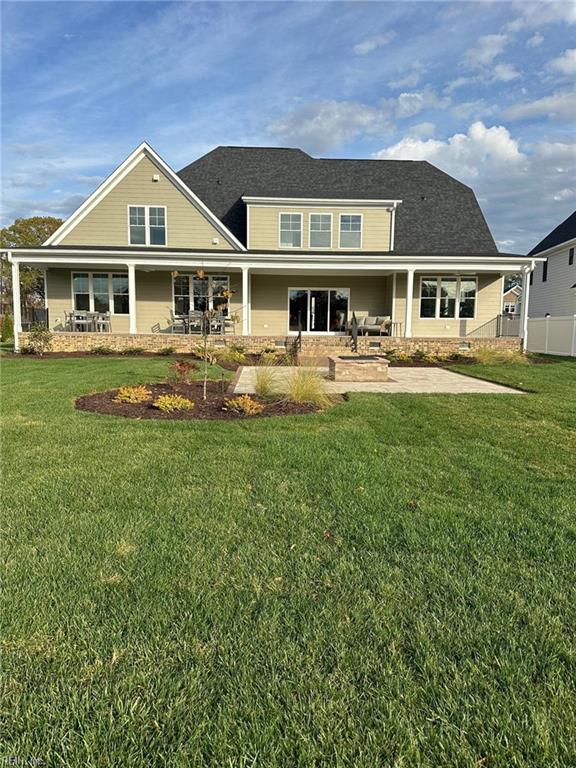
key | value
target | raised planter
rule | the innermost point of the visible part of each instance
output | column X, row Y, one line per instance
column 358, row 368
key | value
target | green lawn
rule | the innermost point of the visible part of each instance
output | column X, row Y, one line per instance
column 390, row 583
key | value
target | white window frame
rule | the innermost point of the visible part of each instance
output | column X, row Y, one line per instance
column 91, row 289
column 438, row 278
column 190, row 276
column 316, row 213
column 147, row 224
column 509, row 308
column 290, row 213
column 350, row 247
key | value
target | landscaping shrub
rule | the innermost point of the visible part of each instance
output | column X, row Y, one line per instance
column 231, row 354
column 27, row 349
column 132, row 351
column 487, row 356
column 133, row 395
column 182, row 370
column 40, row 339
column 267, row 357
column 171, row 403
column 166, row 351
column 7, row 328
column 265, row 384
column 243, row 405
column 307, row 387
column 101, row 350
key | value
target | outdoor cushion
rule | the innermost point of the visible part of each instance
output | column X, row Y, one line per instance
column 370, row 321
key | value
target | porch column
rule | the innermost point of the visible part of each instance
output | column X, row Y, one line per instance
column 525, row 299
column 409, row 299
column 16, row 307
column 246, row 301
column 132, row 297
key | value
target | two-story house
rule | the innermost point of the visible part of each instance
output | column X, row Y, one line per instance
column 553, row 281
column 301, row 243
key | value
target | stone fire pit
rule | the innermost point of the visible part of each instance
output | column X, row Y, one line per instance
column 358, row 368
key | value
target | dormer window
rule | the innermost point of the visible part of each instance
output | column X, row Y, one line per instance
column 290, row 230
column 350, row 230
column 147, row 224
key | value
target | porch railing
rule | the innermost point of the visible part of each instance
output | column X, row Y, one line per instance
column 500, row 326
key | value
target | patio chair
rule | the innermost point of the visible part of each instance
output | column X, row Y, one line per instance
column 101, row 322
column 177, row 323
column 195, row 318
column 80, row 321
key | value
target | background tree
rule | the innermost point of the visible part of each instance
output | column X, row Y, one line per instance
column 25, row 233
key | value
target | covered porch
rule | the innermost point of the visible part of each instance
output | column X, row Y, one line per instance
column 269, row 296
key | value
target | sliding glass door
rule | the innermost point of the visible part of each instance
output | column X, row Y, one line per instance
column 318, row 310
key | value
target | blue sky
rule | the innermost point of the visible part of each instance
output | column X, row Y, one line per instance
column 484, row 90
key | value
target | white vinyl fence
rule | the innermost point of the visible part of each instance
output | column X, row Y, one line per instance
column 552, row 335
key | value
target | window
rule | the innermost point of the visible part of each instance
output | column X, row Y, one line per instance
column 100, row 292
column 350, row 230
column 532, row 277
column 320, row 230
column 509, row 308
column 193, row 293
column 447, row 297
column 147, row 225
column 545, row 271
column 290, row 230
column 571, row 256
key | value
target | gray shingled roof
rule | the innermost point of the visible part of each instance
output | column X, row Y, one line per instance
column 438, row 214
column 561, row 234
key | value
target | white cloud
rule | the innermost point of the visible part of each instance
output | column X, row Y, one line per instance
column 459, row 82
column 534, row 41
column 321, row 126
column 476, row 109
column 489, row 46
column 566, row 63
column 508, row 178
column 537, row 14
column 505, row 73
column 372, row 43
column 410, row 80
column 421, row 130
column 560, row 105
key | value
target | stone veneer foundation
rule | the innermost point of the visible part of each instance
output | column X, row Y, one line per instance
column 312, row 346
column 358, row 368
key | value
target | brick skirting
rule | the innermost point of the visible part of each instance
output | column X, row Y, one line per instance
column 311, row 345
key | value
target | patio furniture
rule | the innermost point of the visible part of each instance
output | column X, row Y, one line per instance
column 178, row 323
column 380, row 324
column 195, row 321
column 78, row 320
column 100, row 321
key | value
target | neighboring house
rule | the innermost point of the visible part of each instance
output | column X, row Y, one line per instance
column 512, row 300
column 301, row 242
column 553, row 281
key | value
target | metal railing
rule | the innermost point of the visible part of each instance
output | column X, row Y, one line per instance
column 504, row 325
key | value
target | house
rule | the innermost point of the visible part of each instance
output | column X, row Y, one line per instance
column 553, row 281
column 512, row 300
column 300, row 243
column 551, row 297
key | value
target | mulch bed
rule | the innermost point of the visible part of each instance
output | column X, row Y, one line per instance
column 209, row 409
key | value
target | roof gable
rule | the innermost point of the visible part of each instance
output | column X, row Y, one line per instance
column 143, row 152
column 561, row 234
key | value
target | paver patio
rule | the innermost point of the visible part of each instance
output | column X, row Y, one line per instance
column 412, row 380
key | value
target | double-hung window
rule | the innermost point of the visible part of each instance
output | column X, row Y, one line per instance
column 290, row 230
column 100, row 292
column 448, row 297
column 320, row 230
column 350, row 230
column 194, row 293
column 147, row 224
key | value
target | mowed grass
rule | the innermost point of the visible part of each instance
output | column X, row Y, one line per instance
column 389, row 583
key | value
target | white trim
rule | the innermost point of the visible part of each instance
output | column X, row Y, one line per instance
column 144, row 150
column 350, row 247
column 147, row 223
column 248, row 227
column 439, row 278
column 131, row 298
column 392, row 226
column 245, row 301
column 290, row 213
column 16, row 306
column 311, row 202
column 524, row 306
column 191, row 276
column 393, row 309
column 409, row 303
column 331, row 228
column 309, row 289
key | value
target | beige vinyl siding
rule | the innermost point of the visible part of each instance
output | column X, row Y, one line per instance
column 153, row 299
column 488, row 305
column 107, row 223
column 270, row 298
column 264, row 225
